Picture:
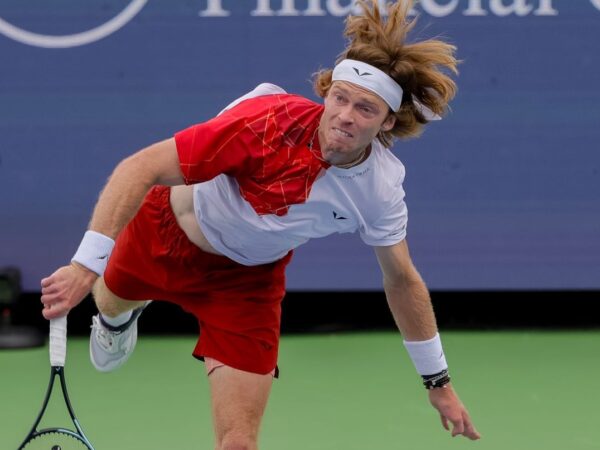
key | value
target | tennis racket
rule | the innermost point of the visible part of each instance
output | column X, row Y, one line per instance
column 57, row 438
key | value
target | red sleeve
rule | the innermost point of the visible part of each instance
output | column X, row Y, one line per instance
column 233, row 143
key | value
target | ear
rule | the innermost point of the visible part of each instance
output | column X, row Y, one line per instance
column 389, row 122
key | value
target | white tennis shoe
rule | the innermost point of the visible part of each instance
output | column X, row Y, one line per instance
column 111, row 347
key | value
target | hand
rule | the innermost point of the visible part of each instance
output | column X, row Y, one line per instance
column 65, row 289
column 452, row 410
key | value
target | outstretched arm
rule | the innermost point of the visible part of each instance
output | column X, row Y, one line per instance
column 118, row 203
column 410, row 304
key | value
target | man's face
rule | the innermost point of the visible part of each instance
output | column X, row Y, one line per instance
column 352, row 118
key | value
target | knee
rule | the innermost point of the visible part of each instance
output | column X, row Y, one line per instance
column 102, row 296
column 107, row 302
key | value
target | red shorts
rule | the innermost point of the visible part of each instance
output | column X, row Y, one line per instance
column 237, row 307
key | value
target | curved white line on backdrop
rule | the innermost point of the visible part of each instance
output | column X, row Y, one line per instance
column 73, row 40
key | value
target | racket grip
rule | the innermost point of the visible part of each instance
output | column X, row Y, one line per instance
column 58, row 341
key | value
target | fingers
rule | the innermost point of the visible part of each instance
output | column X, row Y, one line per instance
column 50, row 292
column 65, row 289
column 54, row 307
column 46, row 281
column 461, row 425
column 444, row 422
column 49, row 284
column 470, row 430
column 50, row 312
column 50, row 289
column 453, row 412
column 458, row 426
column 54, row 297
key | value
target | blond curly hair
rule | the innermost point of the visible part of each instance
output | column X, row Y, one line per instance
column 420, row 68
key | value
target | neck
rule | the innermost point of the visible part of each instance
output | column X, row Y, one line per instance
column 362, row 155
column 356, row 161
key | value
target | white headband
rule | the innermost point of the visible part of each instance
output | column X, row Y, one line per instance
column 378, row 82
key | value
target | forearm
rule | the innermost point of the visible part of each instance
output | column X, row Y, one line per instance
column 412, row 310
column 410, row 304
column 129, row 183
column 411, row 307
column 121, row 198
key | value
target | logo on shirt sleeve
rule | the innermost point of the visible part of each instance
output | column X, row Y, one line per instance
column 397, row 231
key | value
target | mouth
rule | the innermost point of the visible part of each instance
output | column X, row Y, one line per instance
column 342, row 133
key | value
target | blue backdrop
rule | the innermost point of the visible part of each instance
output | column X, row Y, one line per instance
column 502, row 194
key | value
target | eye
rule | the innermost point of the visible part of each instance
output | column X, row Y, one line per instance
column 367, row 110
column 338, row 97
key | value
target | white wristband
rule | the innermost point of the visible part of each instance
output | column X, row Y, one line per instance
column 427, row 356
column 94, row 251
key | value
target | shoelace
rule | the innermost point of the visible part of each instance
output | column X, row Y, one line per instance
column 104, row 337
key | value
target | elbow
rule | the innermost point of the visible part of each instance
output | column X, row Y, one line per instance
column 135, row 167
column 395, row 283
column 402, row 280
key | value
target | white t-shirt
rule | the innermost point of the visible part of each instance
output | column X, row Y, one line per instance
column 261, row 188
column 367, row 198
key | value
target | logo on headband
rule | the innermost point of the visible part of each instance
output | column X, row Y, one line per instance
column 361, row 74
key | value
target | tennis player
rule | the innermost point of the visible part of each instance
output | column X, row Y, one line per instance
column 208, row 219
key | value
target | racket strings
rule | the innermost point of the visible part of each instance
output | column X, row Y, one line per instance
column 55, row 440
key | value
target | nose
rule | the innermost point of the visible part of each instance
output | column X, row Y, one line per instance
column 346, row 114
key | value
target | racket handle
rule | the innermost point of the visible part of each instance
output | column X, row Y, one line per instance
column 58, row 341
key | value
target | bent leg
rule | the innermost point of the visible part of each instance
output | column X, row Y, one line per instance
column 109, row 304
column 239, row 400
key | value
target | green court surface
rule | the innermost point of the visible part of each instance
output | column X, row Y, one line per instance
column 525, row 391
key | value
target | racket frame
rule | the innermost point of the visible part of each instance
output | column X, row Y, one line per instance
column 57, row 357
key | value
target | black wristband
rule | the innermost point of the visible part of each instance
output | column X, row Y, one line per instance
column 436, row 380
